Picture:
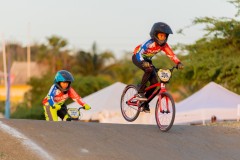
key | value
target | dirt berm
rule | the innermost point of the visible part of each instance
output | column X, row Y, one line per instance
column 95, row 141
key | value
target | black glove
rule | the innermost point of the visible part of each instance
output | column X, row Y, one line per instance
column 180, row 65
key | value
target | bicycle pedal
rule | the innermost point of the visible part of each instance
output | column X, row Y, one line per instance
column 146, row 111
column 140, row 109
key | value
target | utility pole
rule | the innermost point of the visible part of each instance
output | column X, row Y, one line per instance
column 6, row 79
column 4, row 63
column 7, row 107
column 28, row 55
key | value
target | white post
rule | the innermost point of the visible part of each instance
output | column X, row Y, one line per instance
column 4, row 63
column 28, row 55
column 203, row 117
column 238, row 112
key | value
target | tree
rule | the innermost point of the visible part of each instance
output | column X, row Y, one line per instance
column 216, row 56
column 92, row 63
column 56, row 44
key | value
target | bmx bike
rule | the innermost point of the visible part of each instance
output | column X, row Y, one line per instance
column 165, row 106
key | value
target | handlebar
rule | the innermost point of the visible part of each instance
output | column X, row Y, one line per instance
column 174, row 67
column 80, row 108
column 171, row 69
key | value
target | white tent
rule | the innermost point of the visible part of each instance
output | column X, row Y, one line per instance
column 105, row 105
column 211, row 100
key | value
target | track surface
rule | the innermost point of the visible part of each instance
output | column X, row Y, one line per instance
column 95, row 141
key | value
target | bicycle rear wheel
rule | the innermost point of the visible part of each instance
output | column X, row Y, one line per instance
column 129, row 112
column 165, row 112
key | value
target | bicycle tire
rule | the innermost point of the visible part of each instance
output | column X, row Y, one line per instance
column 129, row 113
column 163, row 123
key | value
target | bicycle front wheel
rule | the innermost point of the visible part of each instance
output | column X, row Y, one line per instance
column 165, row 111
column 130, row 112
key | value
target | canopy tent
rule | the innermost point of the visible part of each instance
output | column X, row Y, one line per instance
column 105, row 105
column 211, row 100
column 104, row 102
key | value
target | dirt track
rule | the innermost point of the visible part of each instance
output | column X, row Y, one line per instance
column 94, row 141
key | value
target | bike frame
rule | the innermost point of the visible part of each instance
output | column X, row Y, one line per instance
column 158, row 92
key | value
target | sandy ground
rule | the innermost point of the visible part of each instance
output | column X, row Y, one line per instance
column 94, row 141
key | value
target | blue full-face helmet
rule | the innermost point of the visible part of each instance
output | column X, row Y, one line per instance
column 63, row 76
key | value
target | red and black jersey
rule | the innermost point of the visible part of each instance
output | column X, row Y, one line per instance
column 150, row 48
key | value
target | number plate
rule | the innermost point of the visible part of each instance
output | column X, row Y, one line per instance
column 164, row 75
column 73, row 112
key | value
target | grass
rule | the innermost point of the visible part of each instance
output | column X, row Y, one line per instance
column 1, row 155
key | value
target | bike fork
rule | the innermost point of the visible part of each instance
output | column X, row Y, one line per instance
column 163, row 89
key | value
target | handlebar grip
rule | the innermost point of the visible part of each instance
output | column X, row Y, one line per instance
column 80, row 108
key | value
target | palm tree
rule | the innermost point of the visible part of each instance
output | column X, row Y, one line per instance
column 55, row 44
column 92, row 63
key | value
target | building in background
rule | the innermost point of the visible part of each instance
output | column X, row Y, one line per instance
column 19, row 80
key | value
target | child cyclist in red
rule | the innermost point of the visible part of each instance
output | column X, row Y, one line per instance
column 60, row 91
column 143, row 54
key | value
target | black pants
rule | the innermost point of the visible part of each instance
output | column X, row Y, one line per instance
column 149, row 75
column 63, row 111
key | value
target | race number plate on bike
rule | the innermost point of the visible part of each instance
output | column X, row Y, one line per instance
column 74, row 113
column 164, row 75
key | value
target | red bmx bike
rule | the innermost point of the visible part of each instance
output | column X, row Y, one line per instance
column 165, row 106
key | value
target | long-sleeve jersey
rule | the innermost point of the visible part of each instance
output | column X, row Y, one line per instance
column 55, row 95
column 150, row 48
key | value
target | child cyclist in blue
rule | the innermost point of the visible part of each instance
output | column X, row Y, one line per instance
column 143, row 54
column 60, row 91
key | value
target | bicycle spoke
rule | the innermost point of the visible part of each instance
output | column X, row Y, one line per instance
column 165, row 112
column 129, row 110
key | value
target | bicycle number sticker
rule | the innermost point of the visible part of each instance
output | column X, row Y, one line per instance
column 164, row 75
column 73, row 112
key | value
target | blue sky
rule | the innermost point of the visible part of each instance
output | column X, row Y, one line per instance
column 116, row 25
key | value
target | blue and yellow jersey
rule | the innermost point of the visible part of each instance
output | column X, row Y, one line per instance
column 55, row 95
